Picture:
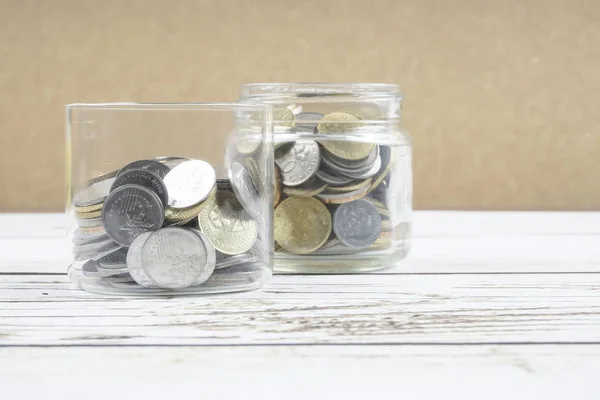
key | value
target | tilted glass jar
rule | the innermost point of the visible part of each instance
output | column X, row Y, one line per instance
column 343, row 190
column 166, row 199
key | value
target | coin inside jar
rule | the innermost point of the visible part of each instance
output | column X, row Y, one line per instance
column 357, row 224
column 189, row 183
column 244, row 189
column 94, row 194
column 298, row 162
column 145, row 178
column 131, row 210
column 156, row 167
column 302, row 225
column 230, row 229
column 339, row 123
column 174, row 258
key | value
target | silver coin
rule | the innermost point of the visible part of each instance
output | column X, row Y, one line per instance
column 307, row 121
column 190, row 183
column 211, row 257
column 241, row 274
column 93, row 250
column 94, row 194
column 174, row 258
column 357, row 224
column 156, row 167
column 116, row 259
column 92, row 269
column 299, row 162
column 363, row 175
column 326, row 196
column 88, row 222
column 82, row 237
column 171, row 162
column 134, row 262
column 131, row 210
column 119, row 278
column 225, row 261
column 332, row 178
column 245, row 189
column 143, row 178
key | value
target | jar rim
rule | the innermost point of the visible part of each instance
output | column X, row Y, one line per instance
column 280, row 88
column 168, row 106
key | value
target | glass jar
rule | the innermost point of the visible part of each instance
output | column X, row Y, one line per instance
column 343, row 191
column 169, row 199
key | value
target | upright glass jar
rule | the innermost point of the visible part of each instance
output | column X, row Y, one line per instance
column 343, row 190
column 170, row 199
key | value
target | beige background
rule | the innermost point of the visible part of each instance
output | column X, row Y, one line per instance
column 502, row 97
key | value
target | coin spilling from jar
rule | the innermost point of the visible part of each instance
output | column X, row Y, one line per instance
column 331, row 184
column 168, row 223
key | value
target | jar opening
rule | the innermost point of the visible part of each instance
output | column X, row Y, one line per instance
column 320, row 89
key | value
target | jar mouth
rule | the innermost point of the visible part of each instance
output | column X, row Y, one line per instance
column 168, row 106
column 308, row 89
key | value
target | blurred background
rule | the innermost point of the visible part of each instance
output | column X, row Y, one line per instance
column 502, row 98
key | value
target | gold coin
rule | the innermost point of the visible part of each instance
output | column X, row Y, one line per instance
column 350, row 188
column 308, row 189
column 103, row 177
column 174, row 215
column 339, row 123
column 277, row 192
column 341, row 198
column 365, row 111
column 93, row 229
column 88, row 209
column 227, row 225
column 302, row 224
column 386, row 225
column 88, row 215
column 283, row 117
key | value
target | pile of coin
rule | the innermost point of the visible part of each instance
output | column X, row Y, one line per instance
column 168, row 223
column 330, row 194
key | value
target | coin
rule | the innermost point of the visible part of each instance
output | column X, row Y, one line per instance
column 252, row 167
column 184, row 215
column 134, row 262
column 211, row 257
column 92, row 208
column 244, row 189
column 381, row 208
column 310, row 188
column 388, row 163
column 227, row 225
column 82, row 237
column 145, row 178
column 174, row 258
column 92, row 269
column 131, row 210
column 91, row 250
column 225, row 261
column 340, row 123
column 331, row 178
column 357, row 224
column 298, row 162
column 88, row 215
column 102, row 177
column 362, row 174
column 156, row 167
column 94, row 194
column 340, row 198
column 283, row 117
column 278, row 188
column 248, row 139
column 307, row 121
column 301, row 225
column 355, row 185
column 172, row 162
column 89, row 222
column 189, row 183
column 115, row 259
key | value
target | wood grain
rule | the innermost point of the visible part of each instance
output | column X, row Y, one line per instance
column 353, row 309
column 501, row 96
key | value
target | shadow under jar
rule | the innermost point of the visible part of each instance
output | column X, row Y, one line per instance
column 170, row 199
column 343, row 178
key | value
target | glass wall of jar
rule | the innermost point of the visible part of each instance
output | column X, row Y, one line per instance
column 169, row 199
column 343, row 190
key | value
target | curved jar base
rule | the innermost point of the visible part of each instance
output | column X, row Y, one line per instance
column 342, row 263
column 246, row 277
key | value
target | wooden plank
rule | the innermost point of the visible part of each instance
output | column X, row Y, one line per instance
column 302, row 372
column 371, row 309
column 444, row 242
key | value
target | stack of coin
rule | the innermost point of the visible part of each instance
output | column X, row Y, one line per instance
column 167, row 223
column 330, row 194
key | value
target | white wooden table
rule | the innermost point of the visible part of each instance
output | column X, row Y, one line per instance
column 488, row 305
